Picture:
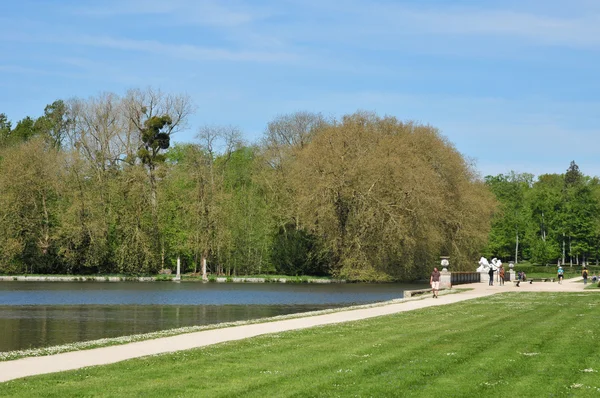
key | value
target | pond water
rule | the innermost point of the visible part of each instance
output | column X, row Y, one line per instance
column 40, row 314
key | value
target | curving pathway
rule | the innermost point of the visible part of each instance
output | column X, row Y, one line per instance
column 18, row 368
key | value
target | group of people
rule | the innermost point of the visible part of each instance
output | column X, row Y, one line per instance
column 434, row 279
column 584, row 274
column 501, row 275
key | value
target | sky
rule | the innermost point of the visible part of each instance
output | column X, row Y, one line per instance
column 513, row 84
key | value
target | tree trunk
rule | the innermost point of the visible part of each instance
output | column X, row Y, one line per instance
column 517, row 249
column 44, row 243
column 543, row 229
column 563, row 249
column 204, row 277
column 570, row 254
column 162, row 254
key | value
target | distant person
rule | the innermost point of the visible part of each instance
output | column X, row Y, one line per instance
column 524, row 276
column 584, row 273
column 434, row 281
column 561, row 274
column 501, row 275
column 491, row 273
column 519, row 278
column 594, row 278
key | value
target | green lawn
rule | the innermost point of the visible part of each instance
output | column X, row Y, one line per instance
column 538, row 275
column 508, row 345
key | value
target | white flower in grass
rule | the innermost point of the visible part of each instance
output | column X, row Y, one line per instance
column 450, row 353
column 529, row 354
column 576, row 385
column 589, row 370
column 270, row 372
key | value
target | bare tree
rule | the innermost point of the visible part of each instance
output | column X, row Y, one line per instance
column 152, row 117
column 289, row 132
column 214, row 141
column 98, row 131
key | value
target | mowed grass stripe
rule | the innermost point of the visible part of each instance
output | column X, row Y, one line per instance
column 507, row 345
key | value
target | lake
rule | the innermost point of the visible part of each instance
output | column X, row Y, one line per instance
column 40, row 314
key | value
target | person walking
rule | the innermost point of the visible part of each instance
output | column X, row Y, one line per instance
column 434, row 281
column 501, row 275
column 561, row 274
column 584, row 273
column 491, row 273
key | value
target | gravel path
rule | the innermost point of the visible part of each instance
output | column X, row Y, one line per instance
column 18, row 368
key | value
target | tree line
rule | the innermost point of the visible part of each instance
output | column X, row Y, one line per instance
column 96, row 185
column 551, row 219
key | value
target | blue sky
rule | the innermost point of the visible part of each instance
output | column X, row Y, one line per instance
column 513, row 84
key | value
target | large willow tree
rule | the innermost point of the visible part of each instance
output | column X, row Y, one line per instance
column 387, row 198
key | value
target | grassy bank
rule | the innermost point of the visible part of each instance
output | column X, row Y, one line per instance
column 514, row 344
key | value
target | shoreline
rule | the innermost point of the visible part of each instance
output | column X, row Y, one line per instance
column 25, row 278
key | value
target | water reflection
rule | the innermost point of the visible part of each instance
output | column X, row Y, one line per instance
column 44, row 314
column 40, row 326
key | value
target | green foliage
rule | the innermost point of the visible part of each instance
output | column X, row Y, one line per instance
column 5, row 129
column 29, row 181
column 296, row 252
column 385, row 198
column 95, row 186
column 54, row 124
column 527, row 268
column 510, row 224
column 555, row 218
column 154, row 139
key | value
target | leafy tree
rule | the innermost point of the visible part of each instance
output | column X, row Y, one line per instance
column 246, row 216
column 509, row 226
column 86, row 219
column 376, row 192
column 54, row 124
column 23, row 131
column 5, row 129
column 297, row 252
column 545, row 202
column 573, row 176
column 29, row 181
column 580, row 211
column 210, row 189
column 155, row 138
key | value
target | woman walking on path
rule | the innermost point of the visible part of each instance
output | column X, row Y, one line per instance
column 434, row 281
column 501, row 275
column 584, row 273
column 491, row 273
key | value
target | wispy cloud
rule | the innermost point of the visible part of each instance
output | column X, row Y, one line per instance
column 389, row 22
column 183, row 51
column 582, row 31
column 201, row 12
